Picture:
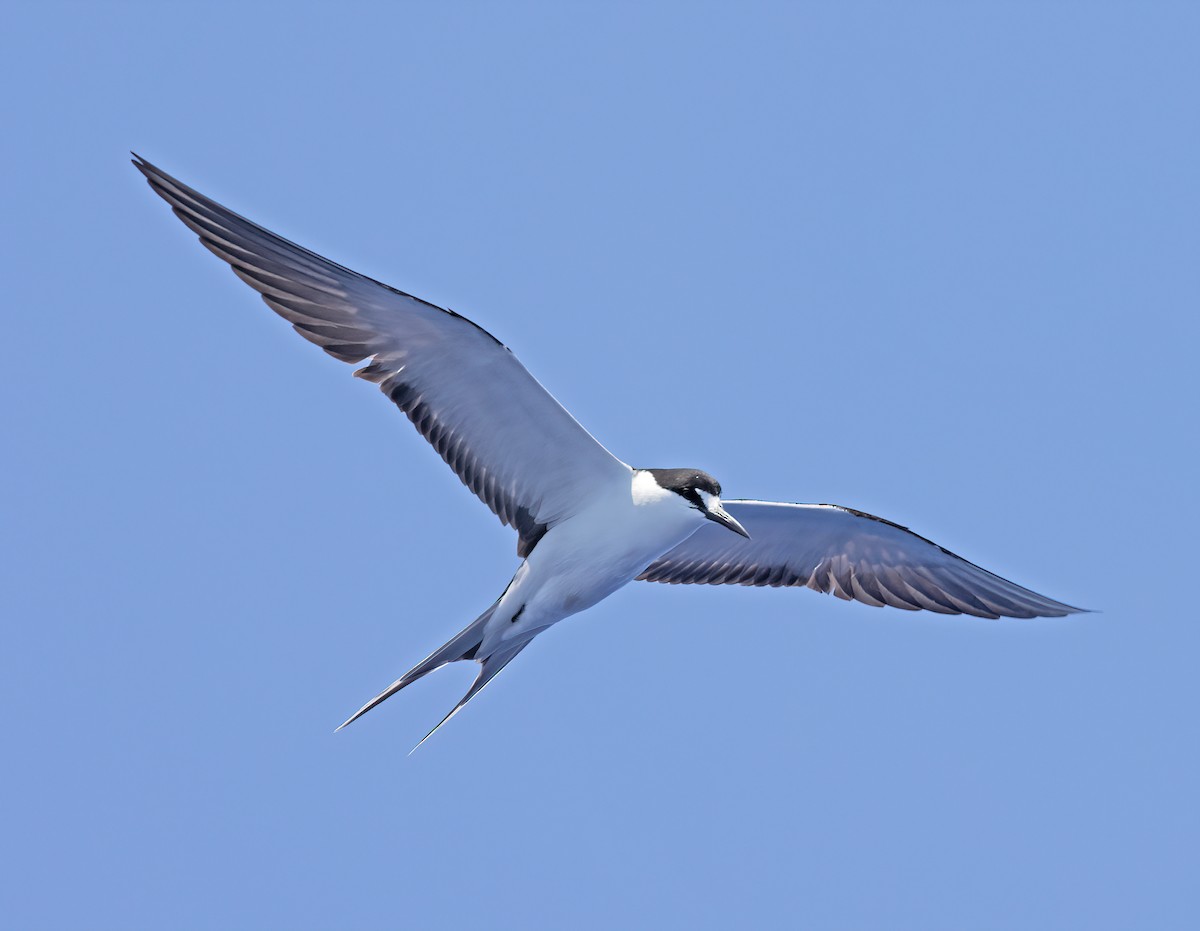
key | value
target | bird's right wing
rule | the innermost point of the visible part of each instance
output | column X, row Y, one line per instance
column 502, row 433
column 848, row 553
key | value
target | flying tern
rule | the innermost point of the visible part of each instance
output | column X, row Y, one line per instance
column 587, row 523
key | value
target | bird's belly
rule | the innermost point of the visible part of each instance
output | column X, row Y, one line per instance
column 582, row 561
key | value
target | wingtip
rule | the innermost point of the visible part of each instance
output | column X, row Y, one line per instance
column 145, row 167
column 1063, row 610
column 1066, row 610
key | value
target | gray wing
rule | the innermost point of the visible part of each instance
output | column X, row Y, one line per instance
column 852, row 555
column 502, row 433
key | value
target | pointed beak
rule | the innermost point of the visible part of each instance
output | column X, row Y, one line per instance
column 723, row 517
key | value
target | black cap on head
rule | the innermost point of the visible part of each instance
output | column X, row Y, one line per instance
column 686, row 482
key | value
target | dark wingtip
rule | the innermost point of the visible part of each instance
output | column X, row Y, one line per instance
column 142, row 165
column 1066, row 610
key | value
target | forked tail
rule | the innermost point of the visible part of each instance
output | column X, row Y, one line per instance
column 488, row 669
column 462, row 646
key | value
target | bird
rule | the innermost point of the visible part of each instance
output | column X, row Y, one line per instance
column 587, row 523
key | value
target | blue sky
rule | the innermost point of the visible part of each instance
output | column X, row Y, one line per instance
column 935, row 262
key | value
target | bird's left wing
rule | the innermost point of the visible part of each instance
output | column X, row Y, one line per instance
column 502, row 433
column 852, row 555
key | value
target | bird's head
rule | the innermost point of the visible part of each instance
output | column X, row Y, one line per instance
column 700, row 491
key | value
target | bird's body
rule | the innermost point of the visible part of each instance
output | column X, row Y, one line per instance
column 587, row 557
column 624, row 527
column 587, row 523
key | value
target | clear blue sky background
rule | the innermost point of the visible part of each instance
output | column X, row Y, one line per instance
column 938, row 262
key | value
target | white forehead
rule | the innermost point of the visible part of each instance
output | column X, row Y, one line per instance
column 706, row 497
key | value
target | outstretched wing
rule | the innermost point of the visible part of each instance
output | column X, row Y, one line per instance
column 849, row 554
column 501, row 432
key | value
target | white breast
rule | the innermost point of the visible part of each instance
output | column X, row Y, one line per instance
column 589, row 556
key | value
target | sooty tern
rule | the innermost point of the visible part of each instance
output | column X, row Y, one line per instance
column 586, row 522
